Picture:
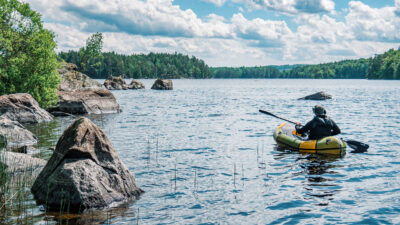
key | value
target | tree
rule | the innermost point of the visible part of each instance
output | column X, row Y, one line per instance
column 28, row 61
column 93, row 47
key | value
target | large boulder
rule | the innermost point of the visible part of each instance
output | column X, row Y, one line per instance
column 15, row 133
column 79, row 94
column 98, row 101
column 84, row 172
column 23, row 108
column 317, row 96
column 72, row 80
column 162, row 85
column 118, row 83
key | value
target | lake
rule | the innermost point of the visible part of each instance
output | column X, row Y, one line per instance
column 204, row 154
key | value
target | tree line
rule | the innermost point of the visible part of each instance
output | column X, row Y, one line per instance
column 28, row 61
column 152, row 65
column 385, row 66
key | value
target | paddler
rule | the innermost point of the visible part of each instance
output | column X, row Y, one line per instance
column 320, row 126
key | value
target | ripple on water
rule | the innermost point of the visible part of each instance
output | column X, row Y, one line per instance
column 207, row 156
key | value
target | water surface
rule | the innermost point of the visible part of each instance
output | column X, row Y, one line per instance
column 204, row 154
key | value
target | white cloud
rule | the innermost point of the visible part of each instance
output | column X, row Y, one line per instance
column 372, row 24
column 291, row 6
column 270, row 33
column 217, row 2
column 138, row 26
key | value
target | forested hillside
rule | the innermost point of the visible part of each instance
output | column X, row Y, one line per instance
column 385, row 66
column 342, row 70
column 152, row 65
column 245, row 72
column 164, row 65
column 345, row 69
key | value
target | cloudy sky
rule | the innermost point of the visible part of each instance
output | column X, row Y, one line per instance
column 230, row 32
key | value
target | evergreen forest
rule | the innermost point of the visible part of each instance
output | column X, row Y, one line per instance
column 152, row 65
column 173, row 66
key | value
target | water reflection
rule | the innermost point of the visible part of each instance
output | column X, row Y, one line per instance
column 319, row 173
column 108, row 216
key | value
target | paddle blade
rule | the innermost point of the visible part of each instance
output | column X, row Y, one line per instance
column 357, row 146
column 265, row 112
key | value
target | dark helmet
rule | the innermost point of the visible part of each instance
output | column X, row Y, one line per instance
column 319, row 110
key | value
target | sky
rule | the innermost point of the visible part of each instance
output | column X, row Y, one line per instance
column 229, row 32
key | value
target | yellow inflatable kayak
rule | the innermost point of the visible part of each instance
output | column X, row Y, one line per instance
column 286, row 136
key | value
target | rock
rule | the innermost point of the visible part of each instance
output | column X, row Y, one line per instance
column 23, row 108
column 118, row 83
column 84, row 172
column 136, row 85
column 162, row 85
column 72, row 80
column 18, row 162
column 115, row 83
column 15, row 133
column 317, row 96
column 86, row 102
column 79, row 94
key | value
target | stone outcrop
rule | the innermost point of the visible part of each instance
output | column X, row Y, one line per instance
column 79, row 94
column 84, row 172
column 98, row 101
column 15, row 133
column 72, row 80
column 162, row 85
column 317, row 96
column 136, row 84
column 18, row 162
column 115, row 83
column 118, row 83
column 23, row 108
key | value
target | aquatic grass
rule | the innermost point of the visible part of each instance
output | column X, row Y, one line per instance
column 14, row 191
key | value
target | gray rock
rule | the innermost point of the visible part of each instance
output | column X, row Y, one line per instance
column 136, row 85
column 72, row 80
column 23, row 108
column 317, row 96
column 15, row 133
column 162, row 85
column 84, row 172
column 99, row 101
column 79, row 94
column 118, row 83
column 115, row 83
column 19, row 162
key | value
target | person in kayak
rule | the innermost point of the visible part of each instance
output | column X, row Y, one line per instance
column 320, row 126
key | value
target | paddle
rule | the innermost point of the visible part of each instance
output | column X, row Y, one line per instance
column 357, row 146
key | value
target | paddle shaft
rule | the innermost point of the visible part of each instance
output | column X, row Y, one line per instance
column 268, row 113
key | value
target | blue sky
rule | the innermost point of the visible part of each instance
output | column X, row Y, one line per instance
column 230, row 32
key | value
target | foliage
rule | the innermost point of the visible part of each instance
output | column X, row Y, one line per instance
column 245, row 72
column 385, row 66
column 93, row 47
column 27, row 59
column 353, row 69
column 152, row 65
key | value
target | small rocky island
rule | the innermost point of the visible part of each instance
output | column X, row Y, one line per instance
column 317, row 96
column 118, row 83
column 162, row 85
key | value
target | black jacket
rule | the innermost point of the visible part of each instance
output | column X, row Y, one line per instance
column 319, row 127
